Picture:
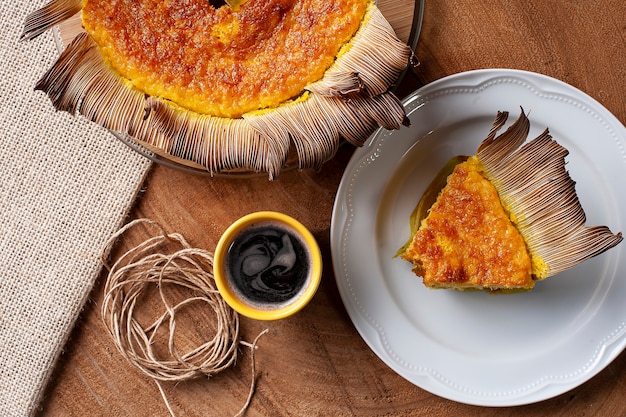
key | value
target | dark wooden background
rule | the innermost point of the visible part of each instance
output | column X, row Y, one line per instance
column 315, row 363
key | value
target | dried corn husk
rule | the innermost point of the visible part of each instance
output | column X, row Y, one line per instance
column 540, row 195
column 349, row 102
column 48, row 16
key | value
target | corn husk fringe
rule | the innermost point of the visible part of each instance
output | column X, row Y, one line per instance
column 535, row 187
column 349, row 102
column 374, row 60
column 48, row 16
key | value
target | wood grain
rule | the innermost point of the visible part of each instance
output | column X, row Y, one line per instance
column 315, row 363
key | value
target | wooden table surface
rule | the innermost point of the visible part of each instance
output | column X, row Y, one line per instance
column 315, row 363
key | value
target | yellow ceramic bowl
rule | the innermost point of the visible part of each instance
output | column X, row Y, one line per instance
column 249, row 261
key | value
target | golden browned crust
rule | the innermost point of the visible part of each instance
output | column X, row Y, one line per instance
column 467, row 240
column 222, row 62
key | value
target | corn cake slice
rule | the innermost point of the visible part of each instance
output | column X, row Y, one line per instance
column 468, row 239
column 507, row 217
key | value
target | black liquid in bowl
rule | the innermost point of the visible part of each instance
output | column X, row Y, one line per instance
column 267, row 263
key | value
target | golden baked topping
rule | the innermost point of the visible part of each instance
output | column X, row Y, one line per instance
column 222, row 61
column 468, row 240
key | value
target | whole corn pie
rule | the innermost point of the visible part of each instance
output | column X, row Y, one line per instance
column 507, row 217
column 229, row 85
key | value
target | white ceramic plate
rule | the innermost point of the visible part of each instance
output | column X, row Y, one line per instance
column 476, row 348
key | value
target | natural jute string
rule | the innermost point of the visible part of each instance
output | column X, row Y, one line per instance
column 143, row 268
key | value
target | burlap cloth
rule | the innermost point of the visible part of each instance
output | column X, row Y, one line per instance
column 65, row 187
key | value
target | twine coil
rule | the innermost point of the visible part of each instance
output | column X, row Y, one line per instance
column 140, row 269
